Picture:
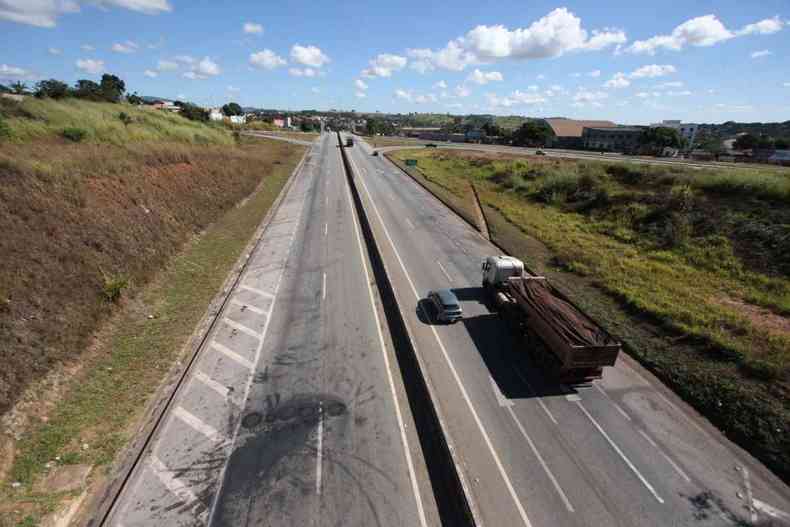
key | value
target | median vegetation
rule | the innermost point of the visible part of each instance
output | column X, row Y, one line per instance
column 700, row 254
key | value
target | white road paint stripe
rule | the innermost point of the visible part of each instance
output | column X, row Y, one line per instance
column 241, row 327
column 256, row 290
column 398, row 414
column 231, row 354
column 256, row 360
column 617, row 406
column 543, row 464
column 540, row 399
column 749, row 497
column 771, row 511
column 323, row 289
column 173, row 484
column 444, row 271
column 320, row 449
column 500, row 397
column 620, row 453
column 500, row 467
column 249, row 307
column 211, row 383
column 326, row 228
column 199, row 425
column 410, row 224
column 668, row 459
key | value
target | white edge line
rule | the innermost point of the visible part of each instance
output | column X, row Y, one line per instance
column 616, row 406
column 665, row 456
column 398, row 413
column 465, row 395
column 540, row 399
column 620, row 453
column 771, row 511
column 444, row 271
column 323, row 289
column 319, row 458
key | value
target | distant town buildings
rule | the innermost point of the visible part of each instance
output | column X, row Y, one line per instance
column 215, row 114
column 687, row 131
column 567, row 133
column 614, row 139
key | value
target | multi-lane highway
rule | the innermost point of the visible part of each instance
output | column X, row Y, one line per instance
column 294, row 412
column 622, row 452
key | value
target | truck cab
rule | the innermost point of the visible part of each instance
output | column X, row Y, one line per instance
column 497, row 269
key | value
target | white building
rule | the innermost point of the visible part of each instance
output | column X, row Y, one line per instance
column 687, row 131
column 238, row 119
column 215, row 114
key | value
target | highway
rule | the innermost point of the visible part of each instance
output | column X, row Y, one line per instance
column 294, row 412
column 622, row 452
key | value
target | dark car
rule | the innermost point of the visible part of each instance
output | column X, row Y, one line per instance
column 375, row 152
column 446, row 305
column 430, row 145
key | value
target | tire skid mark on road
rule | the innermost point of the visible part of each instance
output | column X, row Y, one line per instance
column 173, row 484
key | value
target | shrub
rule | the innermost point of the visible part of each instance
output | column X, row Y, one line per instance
column 5, row 130
column 761, row 369
column 125, row 118
column 113, row 286
column 74, row 134
column 625, row 174
column 557, row 187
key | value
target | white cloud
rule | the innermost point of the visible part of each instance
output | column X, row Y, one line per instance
column 516, row 98
column 55, row 51
column 233, row 89
column 87, row 47
column 150, row 73
column 360, row 94
column 408, row 95
column 595, row 73
column 253, row 29
column 481, row 78
column 185, row 59
column 786, row 84
column 540, row 77
column 576, row 75
column 618, row 80
column 302, row 72
column 14, row 72
column 734, row 107
column 653, row 70
column 452, row 57
column 125, row 47
column 360, row 84
column 648, row 94
column 761, row 53
column 440, row 85
column 191, row 75
column 682, row 93
column 673, row 84
column 203, row 70
column 584, row 96
column 703, row 31
column 384, row 65
column 90, row 65
column 315, row 89
column 462, row 91
column 308, row 56
column 267, row 59
column 44, row 13
column 426, row 98
column 167, row 65
column 403, row 94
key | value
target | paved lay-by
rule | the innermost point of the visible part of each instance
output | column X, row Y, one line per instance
column 294, row 413
column 624, row 451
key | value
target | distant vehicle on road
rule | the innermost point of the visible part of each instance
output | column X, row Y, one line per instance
column 375, row 153
column 446, row 305
column 562, row 339
column 350, row 141
column 430, row 145
column 540, row 152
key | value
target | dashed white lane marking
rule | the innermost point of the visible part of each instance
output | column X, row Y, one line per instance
column 497, row 461
column 199, row 425
column 444, row 271
column 173, row 484
column 241, row 327
column 211, row 383
column 248, row 307
column 256, row 290
column 404, row 440
column 543, row 464
column 319, row 458
column 620, row 452
column 410, row 224
column 323, row 288
column 231, row 354
column 771, row 511
column 616, row 406
column 326, row 228
column 664, row 455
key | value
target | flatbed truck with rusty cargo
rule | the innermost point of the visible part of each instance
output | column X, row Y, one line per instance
column 565, row 342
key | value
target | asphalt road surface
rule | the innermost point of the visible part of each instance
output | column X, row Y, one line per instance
column 622, row 452
column 294, row 413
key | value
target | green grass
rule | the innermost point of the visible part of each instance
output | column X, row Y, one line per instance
column 46, row 118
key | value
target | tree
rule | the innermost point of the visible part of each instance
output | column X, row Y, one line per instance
column 782, row 143
column 51, row 88
column 135, row 99
column 751, row 141
column 18, row 87
column 660, row 137
column 532, row 133
column 232, row 108
column 86, row 89
column 193, row 113
column 112, row 88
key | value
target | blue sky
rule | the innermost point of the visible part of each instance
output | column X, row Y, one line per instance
column 704, row 61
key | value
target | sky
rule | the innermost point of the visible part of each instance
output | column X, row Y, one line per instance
column 631, row 62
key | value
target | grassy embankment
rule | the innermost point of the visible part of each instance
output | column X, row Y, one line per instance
column 703, row 256
column 154, row 210
column 379, row 141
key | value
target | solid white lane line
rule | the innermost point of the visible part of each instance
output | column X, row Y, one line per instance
column 211, row 383
column 444, row 271
column 323, row 289
column 668, row 459
column 500, row 467
column 617, row 406
column 256, row 290
column 771, row 511
column 231, row 354
column 540, row 399
column 320, row 449
column 199, row 425
column 543, row 464
column 248, row 307
column 620, row 452
column 398, row 414
column 173, row 484
column 241, row 327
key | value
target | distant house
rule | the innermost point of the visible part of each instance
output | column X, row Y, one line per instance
column 164, row 105
column 215, row 114
column 688, row 131
column 238, row 119
column 618, row 139
column 567, row 133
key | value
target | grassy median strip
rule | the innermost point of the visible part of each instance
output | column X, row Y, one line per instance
column 698, row 255
column 94, row 420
